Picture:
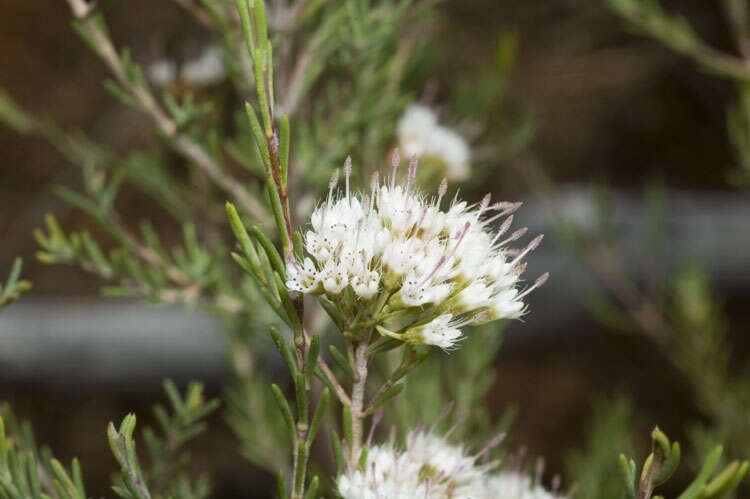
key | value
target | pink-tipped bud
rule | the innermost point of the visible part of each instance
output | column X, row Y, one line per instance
column 348, row 166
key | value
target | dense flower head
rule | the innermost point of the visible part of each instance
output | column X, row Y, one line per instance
column 396, row 253
column 430, row 467
column 420, row 135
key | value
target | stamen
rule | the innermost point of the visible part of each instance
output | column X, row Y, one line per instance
column 347, row 174
column 375, row 480
column 485, row 203
column 531, row 247
column 415, row 232
column 324, row 211
column 417, row 431
column 461, row 418
column 444, row 258
column 446, row 410
column 375, row 420
column 516, row 235
column 519, row 269
column 478, row 317
column 395, row 162
column 412, row 175
column 359, row 230
column 502, row 230
column 505, row 209
column 441, row 191
column 556, row 483
column 539, row 472
column 490, row 445
column 538, row 283
column 332, row 183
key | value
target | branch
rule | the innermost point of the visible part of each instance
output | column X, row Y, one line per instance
column 184, row 144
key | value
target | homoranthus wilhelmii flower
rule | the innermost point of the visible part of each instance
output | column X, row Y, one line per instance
column 420, row 135
column 393, row 259
column 430, row 467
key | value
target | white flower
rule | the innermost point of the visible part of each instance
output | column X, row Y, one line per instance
column 513, row 485
column 420, row 135
column 162, row 72
column 206, row 69
column 398, row 253
column 432, row 468
column 442, row 332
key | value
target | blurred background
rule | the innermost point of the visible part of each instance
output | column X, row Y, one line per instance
column 618, row 146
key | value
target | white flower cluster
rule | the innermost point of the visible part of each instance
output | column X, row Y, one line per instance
column 396, row 252
column 202, row 71
column 421, row 135
column 432, row 468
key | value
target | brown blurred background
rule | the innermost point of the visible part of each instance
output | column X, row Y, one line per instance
column 607, row 105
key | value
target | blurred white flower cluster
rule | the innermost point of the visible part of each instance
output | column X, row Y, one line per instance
column 420, row 135
column 397, row 254
column 202, row 71
column 432, row 468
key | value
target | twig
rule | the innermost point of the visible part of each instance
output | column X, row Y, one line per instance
column 184, row 144
column 358, row 399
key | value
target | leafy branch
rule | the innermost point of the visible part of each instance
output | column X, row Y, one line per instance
column 27, row 474
column 132, row 88
column 662, row 462
column 13, row 287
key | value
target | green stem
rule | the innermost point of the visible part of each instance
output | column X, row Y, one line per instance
column 358, row 399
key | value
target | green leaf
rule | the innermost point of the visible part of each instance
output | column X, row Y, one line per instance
column 320, row 410
column 286, row 412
